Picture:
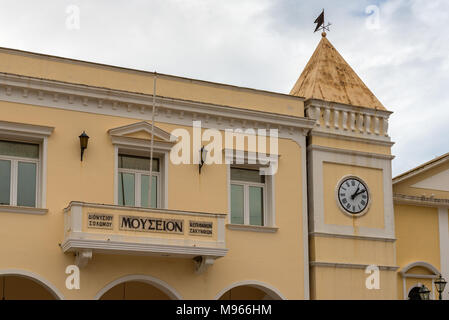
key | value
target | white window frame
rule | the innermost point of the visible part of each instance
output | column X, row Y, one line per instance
column 138, row 179
column 162, row 155
column 27, row 133
column 246, row 206
column 234, row 158
column 13, row 183
column 141, row 147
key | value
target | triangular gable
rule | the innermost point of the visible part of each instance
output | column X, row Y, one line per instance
column 141, row 130
column 141, row 135
column 439, row 181
column 422, row 168
column 431, row 179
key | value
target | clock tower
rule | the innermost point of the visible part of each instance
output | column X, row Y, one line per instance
column 350, row 203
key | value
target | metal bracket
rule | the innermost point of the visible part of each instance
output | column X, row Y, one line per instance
column 82, row 258
column 202, row 263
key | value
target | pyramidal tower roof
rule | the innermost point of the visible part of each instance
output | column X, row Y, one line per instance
column 327, row 76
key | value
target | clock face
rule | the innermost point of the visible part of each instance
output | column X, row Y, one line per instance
column 353, row 195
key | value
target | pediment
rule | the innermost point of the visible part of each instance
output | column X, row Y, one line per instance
column 439, row 181
column 422, row 172
column 142, row 134
column 142, row 130
column 430, row 179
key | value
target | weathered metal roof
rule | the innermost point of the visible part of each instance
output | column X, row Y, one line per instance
column 327, row 76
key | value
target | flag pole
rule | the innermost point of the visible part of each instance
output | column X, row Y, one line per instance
column 152, row 141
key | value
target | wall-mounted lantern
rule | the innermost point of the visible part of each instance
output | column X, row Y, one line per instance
column 84, row 139
column 203, row 157
column 440, row 284
column 424, row 293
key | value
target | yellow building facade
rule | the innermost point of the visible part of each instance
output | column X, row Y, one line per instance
column 207, row 217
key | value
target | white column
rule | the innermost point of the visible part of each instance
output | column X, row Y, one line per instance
column 327, row 117
column 360, row 122
column 318, row 115
column 385, row 126
column 368, row 123
column 345, row 120
column 352, row 121
column 336, row 116
column 376, row 125
column 443, row 226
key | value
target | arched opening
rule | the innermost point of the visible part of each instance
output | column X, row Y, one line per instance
column 25, row 286
column 137, row 287
column 134, row 290
column 249, row 290
column 416, row 274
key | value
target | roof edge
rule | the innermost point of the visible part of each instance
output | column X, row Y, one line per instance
column 113, row 67
column 421, row 168
column 308, row 101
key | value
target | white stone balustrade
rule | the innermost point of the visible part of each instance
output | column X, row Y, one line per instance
column 346, row 119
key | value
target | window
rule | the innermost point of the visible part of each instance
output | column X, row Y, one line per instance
column 131, row 177
column 19, row 169
column 248, row 197
column 134, row 181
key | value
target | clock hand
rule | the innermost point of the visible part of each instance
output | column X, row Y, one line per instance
column 355, row 193
column 359, row 193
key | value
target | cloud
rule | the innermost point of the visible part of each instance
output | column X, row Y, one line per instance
column 263, row 44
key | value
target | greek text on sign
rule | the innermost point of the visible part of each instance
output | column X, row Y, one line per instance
column 200, row 228
column 147, row 224
column 99, row 220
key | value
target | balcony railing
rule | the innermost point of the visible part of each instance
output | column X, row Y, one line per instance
column 348, row 120
column 97, row 228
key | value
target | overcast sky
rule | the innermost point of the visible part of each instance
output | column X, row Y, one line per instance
column 399, row 48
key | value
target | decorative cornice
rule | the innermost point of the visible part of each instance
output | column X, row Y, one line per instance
column 346, row 107
column 349, row 265
column 83, row 63
column 420, row 200
column 83, row 98
column 351, row 152
column 317, row 133
column 141, row 126
column 119, row 138
column 25, row 130
column 352, row 237
column 134, row 143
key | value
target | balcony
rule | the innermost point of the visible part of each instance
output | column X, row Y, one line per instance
column 109, row 229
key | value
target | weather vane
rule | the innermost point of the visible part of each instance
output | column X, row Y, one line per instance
column 321, row 25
